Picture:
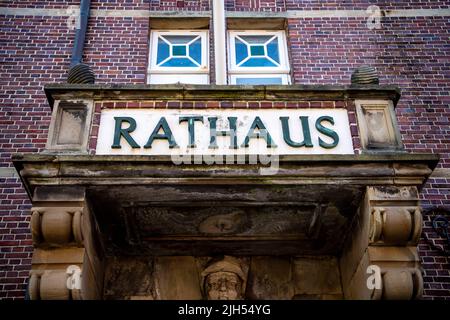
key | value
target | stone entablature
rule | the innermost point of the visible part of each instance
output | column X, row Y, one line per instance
column 77, row 108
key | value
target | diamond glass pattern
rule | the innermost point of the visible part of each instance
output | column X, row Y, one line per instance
column 257, row 51
column 179, row 51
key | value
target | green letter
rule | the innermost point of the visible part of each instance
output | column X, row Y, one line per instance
column 119, row 132
column 213, row 133
column 328, row 132
column 257, row 123
column 306, row 133
column 191, row 128
column 167, row 134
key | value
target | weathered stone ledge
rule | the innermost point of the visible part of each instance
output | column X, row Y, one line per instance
column 429, row 158
column 106, row 170
column 61, row 91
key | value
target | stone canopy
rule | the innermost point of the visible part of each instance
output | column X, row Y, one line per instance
column 105, row 213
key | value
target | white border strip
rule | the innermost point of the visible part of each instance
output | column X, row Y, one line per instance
column 364, row 14
column 73, row 10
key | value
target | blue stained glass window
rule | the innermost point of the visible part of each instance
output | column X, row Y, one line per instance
column 257, row 50
column 163, row 51
column 272, row 50
column 179, row 50
column 256, row 81
column 179, row 62
column 258, row 62
column 241, row 51
column 259, row 59
column 195, row 50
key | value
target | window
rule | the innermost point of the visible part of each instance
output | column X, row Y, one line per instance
column 179, row 56
column 257, row 57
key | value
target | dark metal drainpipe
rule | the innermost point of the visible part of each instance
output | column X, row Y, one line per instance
column 79, row 72
column 80, row 36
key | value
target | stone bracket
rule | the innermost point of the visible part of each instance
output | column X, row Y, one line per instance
column 393, row 225
column 399, row 284
column 380, row 259
column 68, row 256
column 400, row 271
column 56, row 284
column 57, row 226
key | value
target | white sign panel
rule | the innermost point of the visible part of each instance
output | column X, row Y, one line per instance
column 223, row 132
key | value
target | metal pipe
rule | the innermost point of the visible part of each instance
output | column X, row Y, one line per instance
column 80, row 36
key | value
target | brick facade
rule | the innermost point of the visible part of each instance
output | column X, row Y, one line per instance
column 411, row 52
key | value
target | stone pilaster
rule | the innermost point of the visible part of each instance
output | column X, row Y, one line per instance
column 67, row 259
column 380, row 260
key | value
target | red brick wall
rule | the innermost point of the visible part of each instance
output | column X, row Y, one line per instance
column 34, row 51
column 411, row 52
column 117, row 49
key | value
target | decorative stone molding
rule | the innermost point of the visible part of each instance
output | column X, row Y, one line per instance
column 382, row 247
column 378, row 125
column 56, row 226
column 56, row 284
column 395, row 226
column 399, row 284
column 137, row 92
column 395, row 215
column 68, row 256
column 70, row 126
column 399, row 271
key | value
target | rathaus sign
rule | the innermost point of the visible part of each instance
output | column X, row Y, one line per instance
column 165, row 132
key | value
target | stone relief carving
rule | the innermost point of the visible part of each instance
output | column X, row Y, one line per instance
column 224, row 280
column 223, row 223
column 272, row 220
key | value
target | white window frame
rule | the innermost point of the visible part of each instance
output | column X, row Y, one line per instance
column 159, row 74
column 284, row 77
column 235, row 71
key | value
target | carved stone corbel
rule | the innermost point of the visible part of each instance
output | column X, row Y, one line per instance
column 57, row 226
column 56, row 284
column 67, row 262
column 399, row 284
column 395, row 225
column 384, row 241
